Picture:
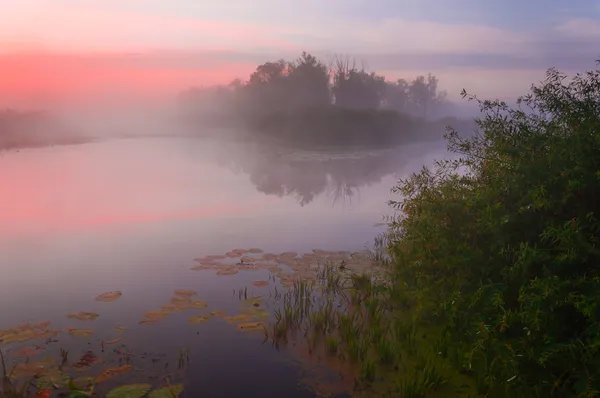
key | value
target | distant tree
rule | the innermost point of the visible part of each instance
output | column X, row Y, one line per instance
column 396, row 95
column 424, row 96
column 356, row 88
column 309, row 81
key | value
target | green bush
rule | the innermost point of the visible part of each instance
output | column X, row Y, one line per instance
column 501, row 246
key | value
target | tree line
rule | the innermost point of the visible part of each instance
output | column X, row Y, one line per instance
column 307, row 82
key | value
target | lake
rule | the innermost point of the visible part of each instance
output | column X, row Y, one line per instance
column 131, row 215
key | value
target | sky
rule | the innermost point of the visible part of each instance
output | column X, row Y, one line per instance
column 54, row 48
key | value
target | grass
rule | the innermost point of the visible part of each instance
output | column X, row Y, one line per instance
column 357, row 323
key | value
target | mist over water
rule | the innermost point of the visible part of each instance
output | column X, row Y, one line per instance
column 130, row 214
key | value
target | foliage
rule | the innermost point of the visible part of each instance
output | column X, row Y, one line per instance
column 501, row 245
column 291, row 98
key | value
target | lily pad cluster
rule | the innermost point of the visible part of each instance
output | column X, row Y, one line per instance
column 290, row 267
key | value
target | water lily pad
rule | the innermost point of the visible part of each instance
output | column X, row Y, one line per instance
column 28, row 352
column 80, row 332
column 157, row 314
column 213, row 257
column 218, row 313
column 238, row 318
column 178, row 300
column 197, row 319
column 228, row 271
column 288, row 255
column 109, row 296
column 248, row 267
column 112, row 372
column 84, row 316
column 52, row 378
column 255, row 250
column 114, row 341
column 250, row 326
column 203, row 267
column 185, row 293
column 197, row 304
column 260, row 283
column 130, row 391
column 256, row 313
column 120, row 329
column 86, row 361
column 233, row 254
column 172, row 391
column 172, row 307
column 31, row 368
column 149, row 321
column 254, row 301
column 26, row 331
column 269, row 257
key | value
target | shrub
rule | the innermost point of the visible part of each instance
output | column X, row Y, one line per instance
column 502, row 244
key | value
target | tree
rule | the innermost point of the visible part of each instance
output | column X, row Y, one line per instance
column 424, row 96
column 309, row 81
column 396, row 95
column 355, row 88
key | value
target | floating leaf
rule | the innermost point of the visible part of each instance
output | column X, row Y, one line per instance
column 81, row 332
column 172, row 391
column 197, row 304
column 260, row 283
column 109, row 296
column 255, row 250
column 130, row 391
column 185, row 293
column 216, row 257
column 120, row 329
column 234, row 254
column 149, row 321
column 256, row 313
column 197, row 319
column 86, row 361
column 84, row 316
column 52, row 378
column 203, row 267
column 178, row 300
column 172, row 308
column 26, row 332
column 157, row 314
column 112, row 372
column 238, row 318
column 218, row 313
column 254, row 301
column 32, row 369
column 228, row 271
column 27, row 352
column 114, row 341
column 250, row 326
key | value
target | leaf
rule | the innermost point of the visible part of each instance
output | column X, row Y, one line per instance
column 109, row 296
column 249, row 326
column 27, row 352
column 120, row 329
column 185, row 293
column 167, row 392
column 260, row 283
column 197, row 304
column 81, row 332
column 228, row 271
column 84, row 316
column 256, row 313
column 255, row 250
column 238, row 318
column 197, row 319
column 130, row 391
column 112, row 372
column 113, row 341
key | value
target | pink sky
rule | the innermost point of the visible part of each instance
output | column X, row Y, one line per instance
column 46, row 46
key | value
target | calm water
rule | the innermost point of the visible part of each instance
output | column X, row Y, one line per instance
column 132, row 214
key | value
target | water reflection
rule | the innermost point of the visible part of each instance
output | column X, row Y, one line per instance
column 306, row 175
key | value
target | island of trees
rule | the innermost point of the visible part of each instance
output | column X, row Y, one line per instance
column 309, row 101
